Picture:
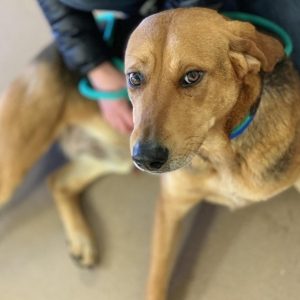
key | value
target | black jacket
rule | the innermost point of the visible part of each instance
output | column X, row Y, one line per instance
column 77, row 34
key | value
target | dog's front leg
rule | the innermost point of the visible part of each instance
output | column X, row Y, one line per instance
column 170, row 213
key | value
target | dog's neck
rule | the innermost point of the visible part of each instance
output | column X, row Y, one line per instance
column 246, row 104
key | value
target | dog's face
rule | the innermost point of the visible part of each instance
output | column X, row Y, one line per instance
column 184, row 71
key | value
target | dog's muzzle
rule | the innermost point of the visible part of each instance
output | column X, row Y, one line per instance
column 149, row 156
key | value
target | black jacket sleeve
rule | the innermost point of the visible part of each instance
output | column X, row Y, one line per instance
column 213, row 4
column 77, row 36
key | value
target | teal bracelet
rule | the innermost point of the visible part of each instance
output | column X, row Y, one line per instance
column 84, row 86
column 89, row 92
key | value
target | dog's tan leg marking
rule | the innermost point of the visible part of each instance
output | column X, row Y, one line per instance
column 297, row 185
column 170, row 213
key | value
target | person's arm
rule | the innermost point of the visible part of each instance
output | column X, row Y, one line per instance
column 213, row 4
column 77, row 36
column 80, row 42
column 117, row 113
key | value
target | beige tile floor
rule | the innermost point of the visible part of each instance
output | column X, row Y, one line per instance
column 251, row 254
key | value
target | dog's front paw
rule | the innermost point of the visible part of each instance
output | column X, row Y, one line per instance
column 83, row 249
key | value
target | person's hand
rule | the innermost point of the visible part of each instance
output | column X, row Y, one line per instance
column 117, row 112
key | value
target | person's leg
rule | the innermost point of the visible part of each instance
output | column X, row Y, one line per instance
column 284, row 13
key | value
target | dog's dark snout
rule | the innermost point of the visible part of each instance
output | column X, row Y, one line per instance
column 150, row 155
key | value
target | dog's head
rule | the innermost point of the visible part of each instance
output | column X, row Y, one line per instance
column 185, row 69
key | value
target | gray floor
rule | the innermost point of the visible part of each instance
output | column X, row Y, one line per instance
column 251, row 254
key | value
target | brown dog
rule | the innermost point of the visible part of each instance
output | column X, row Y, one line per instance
column 193, row 76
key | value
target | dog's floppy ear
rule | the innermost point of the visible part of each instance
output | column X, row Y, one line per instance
column 250, row 50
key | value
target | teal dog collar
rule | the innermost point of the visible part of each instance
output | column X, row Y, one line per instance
column 271, row 27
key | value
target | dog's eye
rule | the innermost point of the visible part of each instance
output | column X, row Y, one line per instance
column 191, row 78
column 135, row 79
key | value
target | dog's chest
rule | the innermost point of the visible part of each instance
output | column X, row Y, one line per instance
column 225, row 192
column 216, row 186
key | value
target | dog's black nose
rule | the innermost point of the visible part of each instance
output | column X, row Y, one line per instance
column 150, row 155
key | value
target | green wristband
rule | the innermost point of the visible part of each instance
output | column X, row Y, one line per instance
column 86, row 89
